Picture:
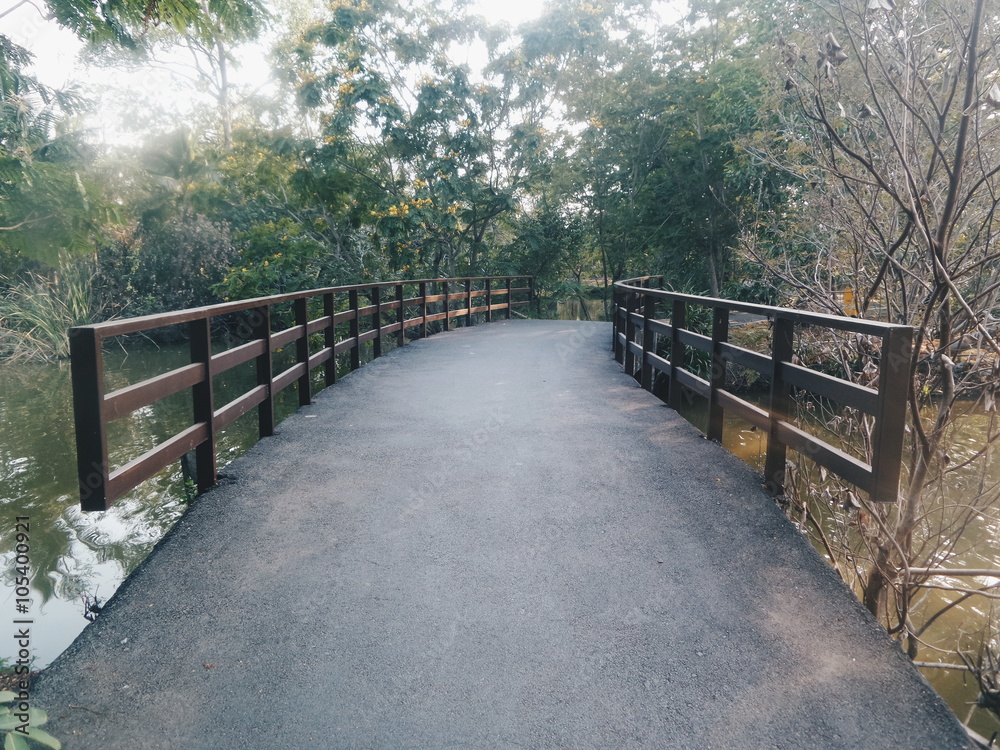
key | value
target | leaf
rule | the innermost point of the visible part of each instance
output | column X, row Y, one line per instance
column 15, row 742
column 7, row 721
column 44, row 738
column 36, row 717
column 6, row 696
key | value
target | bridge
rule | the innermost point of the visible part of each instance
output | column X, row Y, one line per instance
column 490, row 537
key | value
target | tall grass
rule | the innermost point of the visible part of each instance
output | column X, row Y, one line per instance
column 36, row 313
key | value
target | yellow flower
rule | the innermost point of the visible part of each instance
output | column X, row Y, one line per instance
column 267, row 263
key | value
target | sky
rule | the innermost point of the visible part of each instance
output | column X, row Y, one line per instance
column 56, row 49
column 57, row 54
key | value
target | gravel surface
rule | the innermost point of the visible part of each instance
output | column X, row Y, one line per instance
column 491, row 538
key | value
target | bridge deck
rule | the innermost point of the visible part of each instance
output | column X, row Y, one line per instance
column 490, row 538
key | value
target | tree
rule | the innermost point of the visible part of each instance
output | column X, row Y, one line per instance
column 651, row 118
column 413, row 148
column 198, row 56
column 124, row 21
column 891, row 144
column 48, row 202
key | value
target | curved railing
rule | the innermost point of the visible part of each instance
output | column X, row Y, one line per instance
column 351, row 316
column 639, row 329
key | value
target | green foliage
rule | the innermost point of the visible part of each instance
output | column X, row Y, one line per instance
column 123, row 21
column 551, row 246
column 37, row 312
column 14, row 739
column 168, row 267
column 48, row 203
column 274, row 258
column 182, row 176
column 412, row 144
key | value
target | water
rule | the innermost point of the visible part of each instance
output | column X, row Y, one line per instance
column 960, row 625
column 575, row 309
column 76, row 557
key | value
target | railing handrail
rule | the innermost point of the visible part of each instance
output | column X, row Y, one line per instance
column 840, row 322
column 634, row 311
column 123, row 326
column 94, row 408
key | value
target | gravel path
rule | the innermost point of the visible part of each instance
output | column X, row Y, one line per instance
column 491, row 538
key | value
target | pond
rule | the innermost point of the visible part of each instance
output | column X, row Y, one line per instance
column 77, row 558
column 577, row 309
column 961, row 624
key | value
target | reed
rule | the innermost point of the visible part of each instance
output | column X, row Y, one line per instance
column 36, row 313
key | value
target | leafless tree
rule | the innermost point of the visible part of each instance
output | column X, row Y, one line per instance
column 889, row 139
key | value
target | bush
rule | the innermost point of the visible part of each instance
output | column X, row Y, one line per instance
column 274, row 258
column 172, row 267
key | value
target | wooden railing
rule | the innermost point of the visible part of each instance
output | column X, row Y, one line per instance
column 639, row 329
column 351, row 316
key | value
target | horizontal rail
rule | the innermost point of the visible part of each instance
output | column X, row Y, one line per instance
column 321, row 323
column 161, row 320
column 237, row 356
column 238, row 407
column 149, row 463
column 129, row 399
column 647, row 322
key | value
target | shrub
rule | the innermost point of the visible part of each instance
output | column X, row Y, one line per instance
column 274, row 258
column 172, row 267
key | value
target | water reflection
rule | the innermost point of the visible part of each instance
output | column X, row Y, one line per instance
column 576, row 309
column 960, row 626
column 76, row 554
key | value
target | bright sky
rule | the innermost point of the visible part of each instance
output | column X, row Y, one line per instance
column 56, row 50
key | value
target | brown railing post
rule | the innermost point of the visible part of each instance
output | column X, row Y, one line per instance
column 302, row 351
column 423, row 309
column 400, row 316
column 489, row 300
column 678, row 320
column 204, row 407
column 780, row 407
column 631, row 301
column 262, row 331
column 447, row 307
column 509, row 287
column 720, row 335
column 330, row 338
column 91, row 437
column 468, row 302
column 377, row 321
column 352, row 296
column 531, row 294
column 614, row 322
column 890, row 418
column 648, row 342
